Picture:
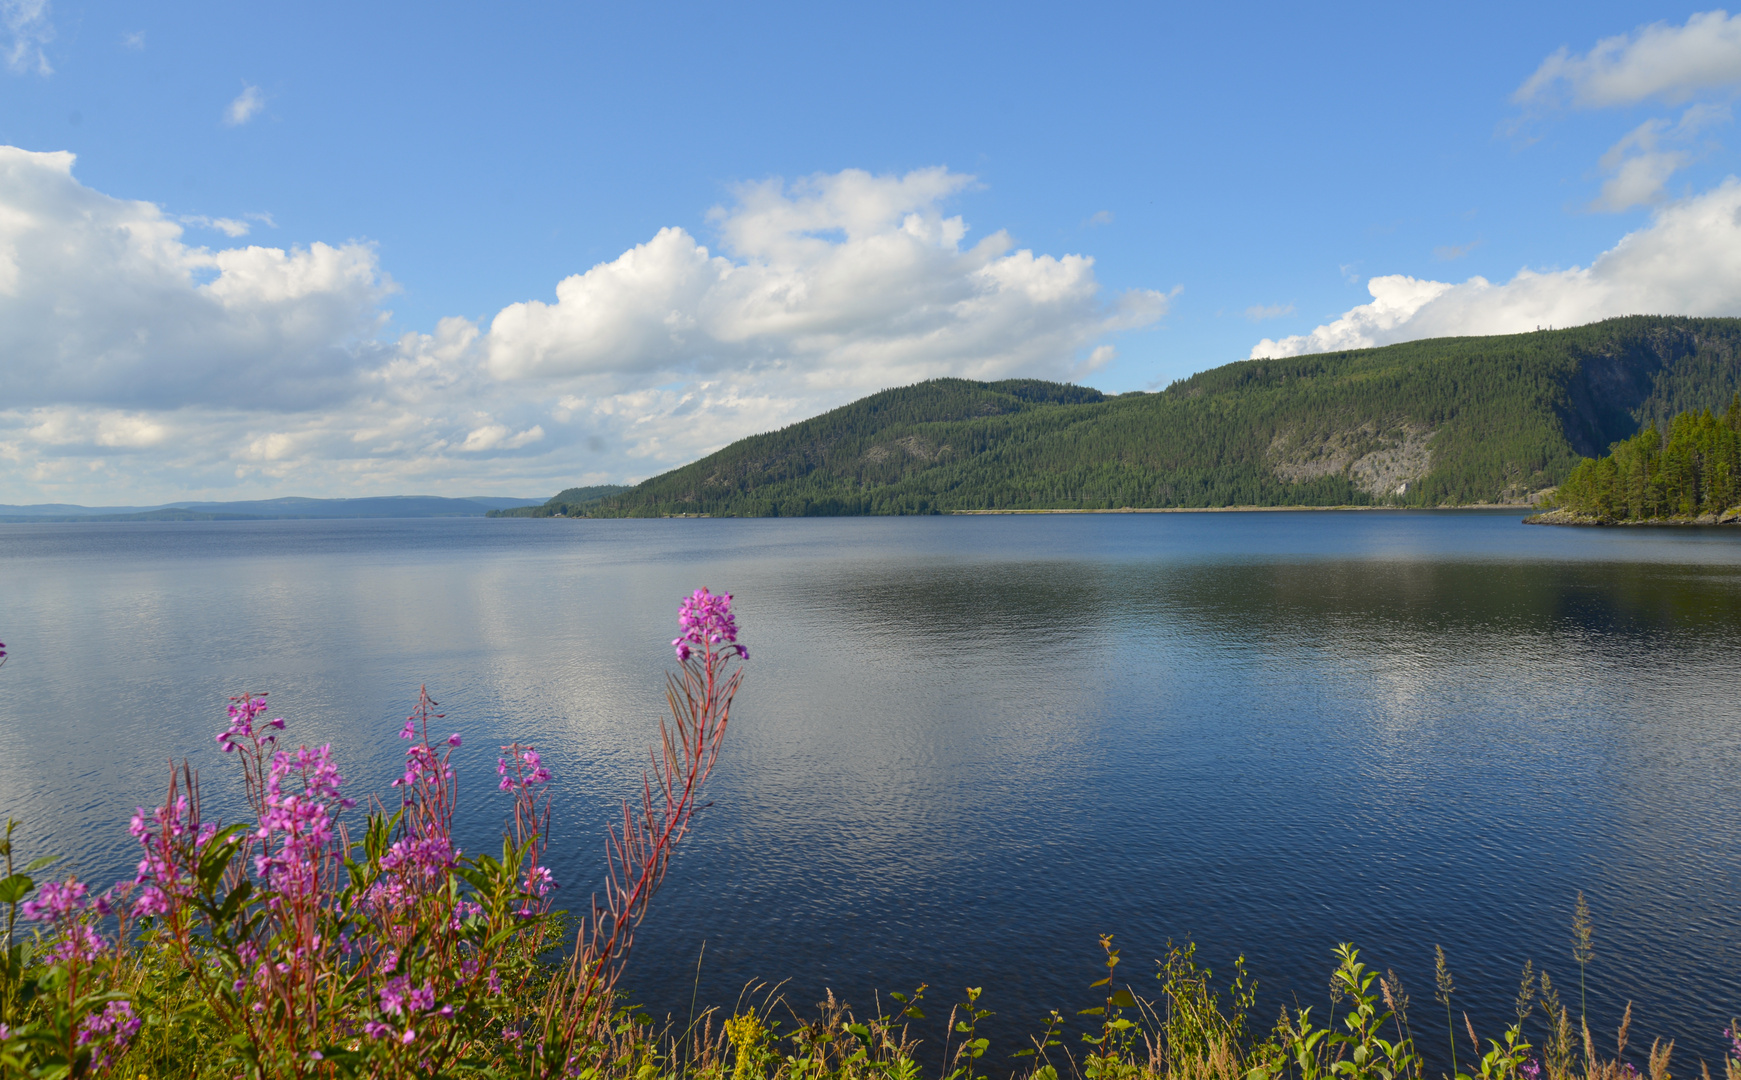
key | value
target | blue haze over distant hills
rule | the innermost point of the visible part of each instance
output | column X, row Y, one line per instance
column 386, row 506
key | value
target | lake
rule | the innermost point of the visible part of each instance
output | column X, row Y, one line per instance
column 966, row 746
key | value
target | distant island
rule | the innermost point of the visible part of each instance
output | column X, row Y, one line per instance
column 384, row 506
column 1469, row 421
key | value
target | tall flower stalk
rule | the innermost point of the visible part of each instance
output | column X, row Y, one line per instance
column 638, row 850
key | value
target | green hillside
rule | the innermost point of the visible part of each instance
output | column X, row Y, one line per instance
column 568, row 503
column 1425, row 423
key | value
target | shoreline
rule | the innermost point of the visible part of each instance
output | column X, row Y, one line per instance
column 1567, row 517
column 1493, row 507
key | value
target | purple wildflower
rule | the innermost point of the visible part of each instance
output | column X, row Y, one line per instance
column 393, row 996
column 243, row 712
column 56, row 900
column 528, row 767
column 706, row 620
column 374, row 1029
column 539, row 882
column 300, row 821
column 421, row 999
column 110, row 1030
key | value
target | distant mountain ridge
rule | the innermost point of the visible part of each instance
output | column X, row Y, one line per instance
column 1447, row 421
column 381, row 506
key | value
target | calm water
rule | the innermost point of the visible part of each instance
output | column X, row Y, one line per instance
column 967, row 746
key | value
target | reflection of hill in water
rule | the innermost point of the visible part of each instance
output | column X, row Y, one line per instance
column 1266, row 755
column 971, row 607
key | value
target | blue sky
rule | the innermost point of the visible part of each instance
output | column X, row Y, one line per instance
column 316, row 249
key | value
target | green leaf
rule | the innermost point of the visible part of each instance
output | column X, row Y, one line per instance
column 15, row 888
column 1102, row 982
column 37, row 864
column 1123, row 999
column 897, row 995
column 1046, row 1072
column 1096, row 1011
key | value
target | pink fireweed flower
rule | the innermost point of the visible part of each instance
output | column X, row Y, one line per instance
column 110, row 1031
column 374, row 1029
column 243, row 712
column 527, row 765
column 705, row 619
column 393, row 996
column 77, row 944
column 300, row 822
column 453, row 740
column 423, row 765
column 56, row 900
column 539, row 881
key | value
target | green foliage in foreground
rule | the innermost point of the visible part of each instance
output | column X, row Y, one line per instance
column 1694, row 471
column 568, row 503
column 1456, row 420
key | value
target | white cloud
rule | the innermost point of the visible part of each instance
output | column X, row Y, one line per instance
column 231, row 227
column 842, row 280
column 493, row 436
column 135, row 365
column 1687, row 261
column 134, row 40
column 1668, row 63
column 1262, row 312
column 102, row 303
column 1640, row 164
column 248, row 103
column 27, row 30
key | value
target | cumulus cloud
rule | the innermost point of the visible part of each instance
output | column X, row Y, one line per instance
column 848, row 279
column 249, row 102
column 1659, row 61
column 102, row 303
column 1686, row 261
column 133, row 361
column 27, row 29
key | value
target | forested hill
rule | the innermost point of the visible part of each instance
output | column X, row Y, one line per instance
column 1425, row 423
